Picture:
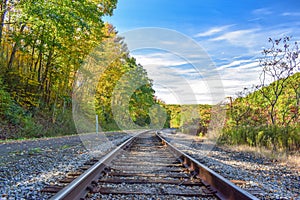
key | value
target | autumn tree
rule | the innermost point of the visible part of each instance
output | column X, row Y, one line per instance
column 42, row 46
column 121, row 84
column 45, row 42
column 268, row 116
column 279, row 62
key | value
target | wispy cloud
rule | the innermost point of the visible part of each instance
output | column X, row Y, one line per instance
column 294, row 14
column 238, row 37
column 178, row 82
column 235, row 79
column 262, row 11
column 235, row 52
column 213, row 31
column 247, row 42
column 159, row 59
column 239, row 64
column 254, row 19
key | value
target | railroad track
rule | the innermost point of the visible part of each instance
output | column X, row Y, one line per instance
column 147, row 166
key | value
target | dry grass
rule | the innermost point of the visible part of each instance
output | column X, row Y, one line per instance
column 294, row 160
column 291, row 159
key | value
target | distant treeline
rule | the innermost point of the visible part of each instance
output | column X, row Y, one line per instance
column 190, row 118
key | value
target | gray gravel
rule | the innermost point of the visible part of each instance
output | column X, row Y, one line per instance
column 151, row 188
column 27, row 167
column 259, row 176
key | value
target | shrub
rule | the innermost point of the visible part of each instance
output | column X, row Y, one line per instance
column 270, row 137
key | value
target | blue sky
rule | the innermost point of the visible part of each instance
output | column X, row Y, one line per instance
column 233, row 33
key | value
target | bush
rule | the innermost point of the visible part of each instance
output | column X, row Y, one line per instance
column 30, row 129
column 17, row 122
column 270, row 137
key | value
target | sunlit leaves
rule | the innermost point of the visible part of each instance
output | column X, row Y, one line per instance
column 44, row 44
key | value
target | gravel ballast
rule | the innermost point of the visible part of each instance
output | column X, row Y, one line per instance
column 27, row 167
column 264, row 178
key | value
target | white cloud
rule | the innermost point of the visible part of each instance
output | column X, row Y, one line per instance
column 240, row 64
column 175, row 82
column 254, row 19
column 173, row 88
column 246, row 42
column 213, row 31
column 238, row 37
column 235, row 79
column 262, row 11
column 160, row 59
column 294, row 14
column 233, row 63
column 177, row 85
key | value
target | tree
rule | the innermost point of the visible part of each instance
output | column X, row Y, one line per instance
column 124, row 93
column 279, row 62
column 42, row 46
column 294, row 109
column 3, row 11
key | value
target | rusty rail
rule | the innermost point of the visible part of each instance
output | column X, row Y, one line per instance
column 78, row 188
column 225, row 189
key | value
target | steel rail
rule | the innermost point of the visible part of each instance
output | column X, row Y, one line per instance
column 78, row 188
column 223, row 187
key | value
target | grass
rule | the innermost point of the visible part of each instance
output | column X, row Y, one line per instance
column 291, row 158
column 31, row 139
column 56, row 136
column 36, row 150
column 66, row 146
column 17, row 152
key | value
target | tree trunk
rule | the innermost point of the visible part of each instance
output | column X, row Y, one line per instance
column 272, row 114
column 2, row 18
column 14, row 50
column 45, row 90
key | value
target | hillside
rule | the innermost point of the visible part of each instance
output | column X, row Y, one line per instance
column 266, row 117
column 54, row 56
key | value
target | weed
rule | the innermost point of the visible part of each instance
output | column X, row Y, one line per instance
column 36, row 150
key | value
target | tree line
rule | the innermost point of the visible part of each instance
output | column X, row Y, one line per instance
column 43, row 45
column 268, row 114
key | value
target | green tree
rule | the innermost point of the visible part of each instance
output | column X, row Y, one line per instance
column 43, row 44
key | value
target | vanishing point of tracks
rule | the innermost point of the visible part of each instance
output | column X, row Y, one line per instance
column 147, row 166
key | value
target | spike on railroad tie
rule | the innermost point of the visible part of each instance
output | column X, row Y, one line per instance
column 181, row 182
column 101, row 175
column 186, row 166
column 211, row 190
column 91, row 189
column 107, row 169
column 94, row 183
column 193, row 174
